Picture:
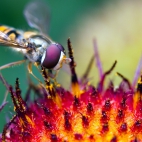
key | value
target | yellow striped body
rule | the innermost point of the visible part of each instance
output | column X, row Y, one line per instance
column 36, row 47
column 15, row 34
column 19, row 36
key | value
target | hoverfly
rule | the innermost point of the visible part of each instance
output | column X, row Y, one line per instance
column 37, row 47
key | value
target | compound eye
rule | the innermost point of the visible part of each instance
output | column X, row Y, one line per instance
column 51, row 56
column 61, row 48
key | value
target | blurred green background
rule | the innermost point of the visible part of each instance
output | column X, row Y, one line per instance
column 115, row 24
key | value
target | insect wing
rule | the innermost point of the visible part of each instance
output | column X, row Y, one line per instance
column 37, row 15
column 5, row 40
column 3, row 36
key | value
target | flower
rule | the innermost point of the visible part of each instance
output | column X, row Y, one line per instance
column 86, row 113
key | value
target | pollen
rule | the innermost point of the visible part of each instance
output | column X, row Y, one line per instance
column 83, row 114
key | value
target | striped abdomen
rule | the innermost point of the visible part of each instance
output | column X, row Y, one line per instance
column 10, row 32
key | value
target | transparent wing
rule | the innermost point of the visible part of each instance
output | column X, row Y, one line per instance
column 37, row 15
column 5, row 40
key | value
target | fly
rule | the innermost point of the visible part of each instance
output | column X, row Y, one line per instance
column 37, row 47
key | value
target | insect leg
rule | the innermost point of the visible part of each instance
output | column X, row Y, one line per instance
column 30, row 71
column 12, row 64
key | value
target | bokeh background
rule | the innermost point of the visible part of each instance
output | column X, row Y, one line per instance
column 115, row 24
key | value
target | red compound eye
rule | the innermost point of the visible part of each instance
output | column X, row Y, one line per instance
column 61, row 48
column 51, row 56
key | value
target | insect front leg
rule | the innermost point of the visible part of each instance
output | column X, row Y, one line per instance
column 12, row 64
column 31, row 72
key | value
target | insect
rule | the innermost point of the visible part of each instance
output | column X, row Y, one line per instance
column 37, row 47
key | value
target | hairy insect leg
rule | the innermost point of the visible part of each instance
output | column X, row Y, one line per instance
column 12, row 64
column 30, row 71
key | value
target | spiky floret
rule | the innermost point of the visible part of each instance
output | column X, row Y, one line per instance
column 86, row 113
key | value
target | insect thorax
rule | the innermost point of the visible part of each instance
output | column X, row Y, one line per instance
column 38, row 44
